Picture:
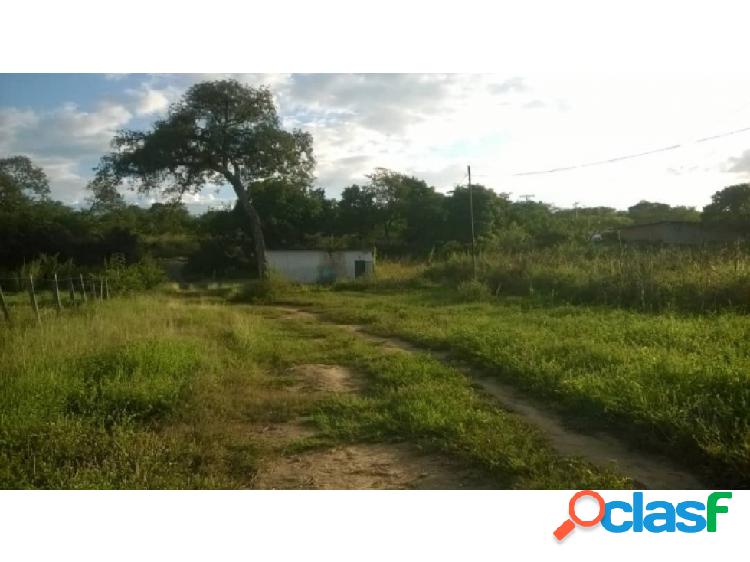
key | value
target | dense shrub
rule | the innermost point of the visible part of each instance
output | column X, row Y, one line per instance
column 140, row 276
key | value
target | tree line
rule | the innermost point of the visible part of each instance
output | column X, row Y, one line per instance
column 226, row 133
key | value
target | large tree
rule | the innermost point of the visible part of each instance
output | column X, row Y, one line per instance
column 220, row 132
column 21, row 181
column 730, row 207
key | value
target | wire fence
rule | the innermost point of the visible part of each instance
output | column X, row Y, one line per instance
column 54, row 292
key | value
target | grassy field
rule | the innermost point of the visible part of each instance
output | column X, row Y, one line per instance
column 671, row 383
column 169, row 390
column 645, row 278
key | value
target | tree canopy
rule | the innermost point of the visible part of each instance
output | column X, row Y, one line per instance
column 730, row 207
column 645, row 212
column 21, row 181
column 220, row 132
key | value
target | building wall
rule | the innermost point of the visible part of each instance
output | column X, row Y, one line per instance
column 674, row 233
column 316, row 266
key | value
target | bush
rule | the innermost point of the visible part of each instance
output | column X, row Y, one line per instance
column 473, row 291
column 123, row 278
column 263, row 291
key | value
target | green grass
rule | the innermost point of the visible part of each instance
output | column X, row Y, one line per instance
column 164, row 391
column 672, row 383
column 644, row 278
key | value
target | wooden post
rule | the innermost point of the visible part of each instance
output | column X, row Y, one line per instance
column 106, row 287
column 32, row 298
column 101, row 288
column 71, row 291
column 57, row 296
column 4, row 304
column 93, row 290
column 83, row 287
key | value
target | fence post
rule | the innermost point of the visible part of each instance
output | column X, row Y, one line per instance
column 6, row 312
column 32, row 298
column 93, row 290
column 101, row 289
column 106, row 287
column 83, row 287
column 71, row 291
column 57, row 296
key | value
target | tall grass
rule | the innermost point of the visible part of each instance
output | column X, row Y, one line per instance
column 654, row 279
column 81, row 394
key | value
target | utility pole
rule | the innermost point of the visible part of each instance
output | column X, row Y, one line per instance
column 471, row 215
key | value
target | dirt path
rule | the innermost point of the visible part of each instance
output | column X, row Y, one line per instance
column 380, row 466
column 383, row 466
column 648, row 470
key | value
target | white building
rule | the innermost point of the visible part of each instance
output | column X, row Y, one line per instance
column 320, row 266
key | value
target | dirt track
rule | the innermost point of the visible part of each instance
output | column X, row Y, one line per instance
column 648, row 470
column 381, row 466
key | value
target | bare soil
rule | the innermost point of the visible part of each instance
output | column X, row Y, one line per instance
column 352, row 467
column 367, row 466
column 325, row 378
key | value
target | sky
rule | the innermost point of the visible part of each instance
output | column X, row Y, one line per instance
column 427, row 125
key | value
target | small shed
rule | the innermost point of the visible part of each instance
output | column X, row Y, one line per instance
column 321, row 266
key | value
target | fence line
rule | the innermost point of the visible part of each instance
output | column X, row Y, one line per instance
column 32, row 287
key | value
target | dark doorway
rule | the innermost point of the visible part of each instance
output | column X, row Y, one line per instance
column 360, row 268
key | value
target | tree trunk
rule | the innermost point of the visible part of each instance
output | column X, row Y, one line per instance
column 256, row 231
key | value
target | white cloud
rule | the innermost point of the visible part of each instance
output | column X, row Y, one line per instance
column 153, row 96
column 59, row 140
column 433, row 125
column 151, row 101
column 740, row 164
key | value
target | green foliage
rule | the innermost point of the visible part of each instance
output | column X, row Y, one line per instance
column 21, row 182
column 125, row 278
column 730, row 207
column 646, row 212
column 242, row 144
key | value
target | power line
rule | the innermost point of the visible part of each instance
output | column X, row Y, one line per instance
column 631, row 156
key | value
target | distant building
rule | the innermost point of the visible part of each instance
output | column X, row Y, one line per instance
column 675, row 232
column 320, row 266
